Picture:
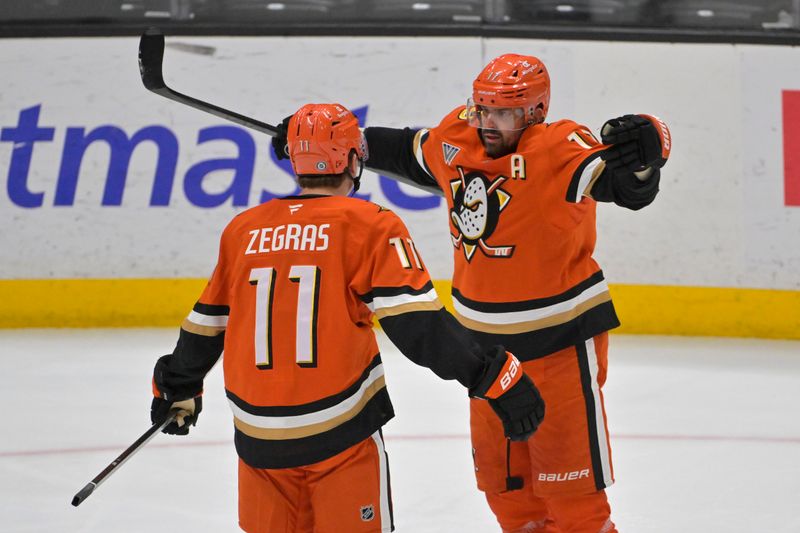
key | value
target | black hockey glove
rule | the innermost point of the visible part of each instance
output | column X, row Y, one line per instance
column 180, row 394
column 511, row 394
column 187, row 416
column 637, row 142
column 521, row 409
column 279, row 142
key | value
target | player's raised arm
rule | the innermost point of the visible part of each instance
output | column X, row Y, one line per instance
column 391, row 151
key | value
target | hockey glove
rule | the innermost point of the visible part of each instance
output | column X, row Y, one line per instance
column 280, row 143
column 185, row 396
column 637, row 142
column 512, row 395
column 189, row 411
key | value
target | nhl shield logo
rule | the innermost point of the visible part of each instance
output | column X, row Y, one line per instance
column 367, row 513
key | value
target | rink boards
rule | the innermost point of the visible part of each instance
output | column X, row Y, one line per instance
column 115, row 198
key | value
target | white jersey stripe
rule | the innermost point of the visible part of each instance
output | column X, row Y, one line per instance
column 386, row 513
column 298, row 421
column 514, row 317
column 214, row 321
column 381, row 302
column 599, row 414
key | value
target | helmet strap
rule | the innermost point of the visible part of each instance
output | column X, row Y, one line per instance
column 355, row 177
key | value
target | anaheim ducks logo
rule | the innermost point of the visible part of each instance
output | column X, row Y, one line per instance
column 477, row 203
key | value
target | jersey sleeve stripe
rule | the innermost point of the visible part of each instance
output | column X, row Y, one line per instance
column 213, row 321
column 383, row 302
column 384, row 292
column 212, row 310
column 419, row 139
column 409, row 308
column 206, row 331
column 583, row 176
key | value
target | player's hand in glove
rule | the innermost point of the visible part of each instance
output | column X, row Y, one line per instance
column 173, row 392
column 187, row 415
column 636, row 143
column 279, row 142
column 512, row 395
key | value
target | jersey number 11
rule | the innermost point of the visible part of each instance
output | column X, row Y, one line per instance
column 307, row 277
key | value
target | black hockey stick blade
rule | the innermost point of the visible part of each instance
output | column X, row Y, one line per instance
column 151, row 58
column 154, row 430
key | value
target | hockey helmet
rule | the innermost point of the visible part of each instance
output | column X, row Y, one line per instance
column 511, row 86
column 321, row 137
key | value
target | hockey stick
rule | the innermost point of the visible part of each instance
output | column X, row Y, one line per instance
column 151, row 58
column 86, row 491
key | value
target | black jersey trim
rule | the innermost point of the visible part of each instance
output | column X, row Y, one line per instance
column 290, row 453
column 541, row 342
column 572, row 190
column 211, row 310
column 529, row 305
column 303, row 196
column 383, row 292
column 306, row 408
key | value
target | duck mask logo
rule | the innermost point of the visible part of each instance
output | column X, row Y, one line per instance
column 477, row 203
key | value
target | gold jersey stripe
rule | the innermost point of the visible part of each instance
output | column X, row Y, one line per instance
column 206, row 331
column 312, row 429
column 596, row 174
column 408, row 308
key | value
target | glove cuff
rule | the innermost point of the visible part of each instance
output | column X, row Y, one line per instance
column 503, row 372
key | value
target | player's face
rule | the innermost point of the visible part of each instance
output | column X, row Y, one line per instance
column 499, row 143
column 500, row 128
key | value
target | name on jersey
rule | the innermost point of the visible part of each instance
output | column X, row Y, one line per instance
column 306, row 238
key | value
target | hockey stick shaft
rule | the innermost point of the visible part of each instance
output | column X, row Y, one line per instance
column 86, row 491
column 151, row 58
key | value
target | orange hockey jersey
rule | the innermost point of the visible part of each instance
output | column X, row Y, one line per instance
column 296, row 286
column 523, row 229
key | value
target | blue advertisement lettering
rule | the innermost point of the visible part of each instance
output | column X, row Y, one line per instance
column 77, row 142
column 24, row 136
column 242, row 166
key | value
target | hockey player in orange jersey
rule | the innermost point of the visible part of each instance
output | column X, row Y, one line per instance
column 521, row 194
column 291, row 301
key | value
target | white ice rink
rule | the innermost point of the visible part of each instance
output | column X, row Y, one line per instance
column 705, row 435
